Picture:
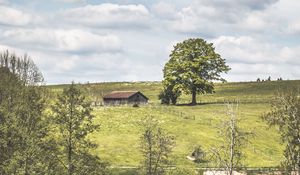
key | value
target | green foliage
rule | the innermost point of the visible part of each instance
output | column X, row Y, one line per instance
column 73, row 118
column 192, row 67
column 285, row 114
column 24, row 141
column 156, row 146
column 168, row 96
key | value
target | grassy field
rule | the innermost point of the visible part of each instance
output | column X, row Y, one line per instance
column 118, row 138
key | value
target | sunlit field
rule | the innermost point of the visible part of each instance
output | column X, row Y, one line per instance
column 118, row 137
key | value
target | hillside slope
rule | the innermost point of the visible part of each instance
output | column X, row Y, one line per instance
column 118, row 138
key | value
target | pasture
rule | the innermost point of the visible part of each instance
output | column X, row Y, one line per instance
column 118, row 138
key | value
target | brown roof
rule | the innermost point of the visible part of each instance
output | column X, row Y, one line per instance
column 120, row 94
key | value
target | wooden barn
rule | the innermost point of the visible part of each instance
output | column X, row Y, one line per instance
column 125, row 97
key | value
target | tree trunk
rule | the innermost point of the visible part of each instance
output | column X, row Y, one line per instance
column 232, row 145
column 70, row 165
column 194, row 100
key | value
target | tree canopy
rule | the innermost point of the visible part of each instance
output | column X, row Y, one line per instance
column 25, row 146
column 192, row 68
column 74, row 120
column 24, row 67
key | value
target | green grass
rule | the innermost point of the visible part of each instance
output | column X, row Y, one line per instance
column 118, row 137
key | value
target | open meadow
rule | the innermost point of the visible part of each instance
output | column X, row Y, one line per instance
column 118, row 137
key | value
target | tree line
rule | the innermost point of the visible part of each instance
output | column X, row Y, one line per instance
column 37, row 135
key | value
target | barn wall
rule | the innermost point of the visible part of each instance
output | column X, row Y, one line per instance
column 115, row 101
column 138, row 98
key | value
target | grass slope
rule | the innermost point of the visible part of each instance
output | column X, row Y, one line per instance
column 118, row 138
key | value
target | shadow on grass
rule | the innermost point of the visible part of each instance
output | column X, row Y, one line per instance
column 199, row 104
column 124, row 172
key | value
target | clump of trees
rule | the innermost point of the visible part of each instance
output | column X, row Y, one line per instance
column 192, row 68
column 268, row 79
column 156, row 146
column 24, row 127
column 32, row 141
column 22, row 67
column 285, row 114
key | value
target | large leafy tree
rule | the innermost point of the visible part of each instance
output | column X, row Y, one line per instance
column 192, row 68
column 74, row 122
column 285, row 114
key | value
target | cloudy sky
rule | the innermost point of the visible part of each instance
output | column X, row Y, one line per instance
column 130, row 40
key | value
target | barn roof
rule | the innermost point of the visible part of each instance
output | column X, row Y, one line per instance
column 121, row 94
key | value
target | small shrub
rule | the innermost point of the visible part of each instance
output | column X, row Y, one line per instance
column 198, row 154
column 167, row 96
column 135, row 105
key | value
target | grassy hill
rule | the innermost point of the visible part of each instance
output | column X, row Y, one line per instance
column 118, row 138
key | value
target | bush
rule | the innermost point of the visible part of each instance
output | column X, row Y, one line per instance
column 198, row 154
column 135, row 105
column 167, row 96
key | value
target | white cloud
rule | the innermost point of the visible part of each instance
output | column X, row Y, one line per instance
column 107, row 42
column 63, row 40
column 249, row 57
column 109, row 15
column 214, row 17
column 3, row 1
column 293, row 28
column 70, row 1
column 11, row 16
column 163, row 9
column 245, row 49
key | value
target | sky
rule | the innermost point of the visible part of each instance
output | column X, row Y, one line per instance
column 130, row 40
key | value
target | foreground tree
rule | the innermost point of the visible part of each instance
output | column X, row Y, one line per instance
column 156, row 146
column 25, row 144
column 74, row 122
column 192, row 67
column 229, row 154
column 285, row 114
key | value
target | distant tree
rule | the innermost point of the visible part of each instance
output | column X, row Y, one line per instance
column 279, row 79
column 156, row 146
column 258, row 80
column 269, row 78
column 229, row 154
column 24, row 67
column 285, row 114
column 192, row 67
column 74, row 121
